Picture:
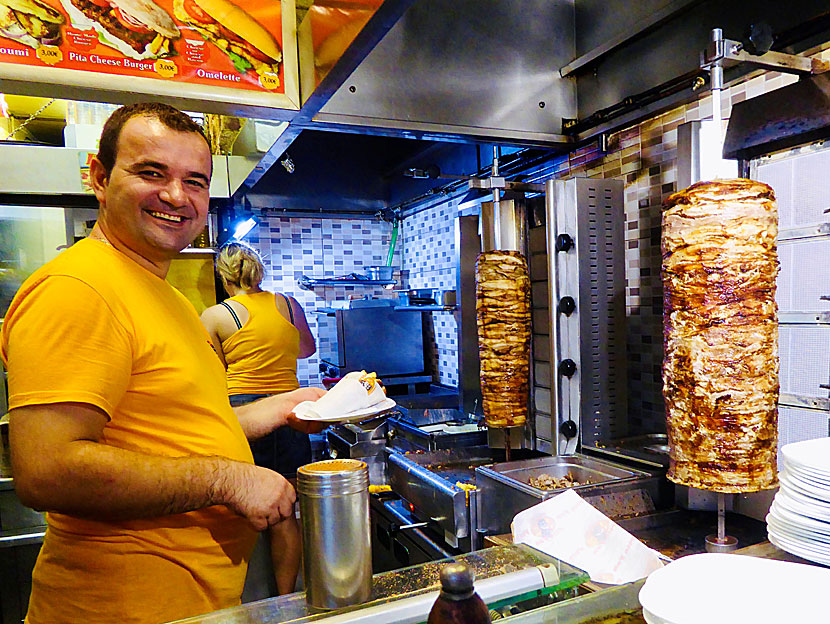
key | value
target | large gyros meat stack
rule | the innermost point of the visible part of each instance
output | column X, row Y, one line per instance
column 720, row 373
column 503, row 312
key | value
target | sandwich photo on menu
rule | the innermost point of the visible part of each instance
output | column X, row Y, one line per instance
column 30, row 22
column 246, row 42
column 140, row 29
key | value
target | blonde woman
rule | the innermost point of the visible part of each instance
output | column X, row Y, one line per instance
column 259, row 335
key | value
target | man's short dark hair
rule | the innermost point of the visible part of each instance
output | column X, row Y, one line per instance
column 171, row 117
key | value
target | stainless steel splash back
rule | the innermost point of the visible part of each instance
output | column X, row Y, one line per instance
column 467, row 68
column 585, row 221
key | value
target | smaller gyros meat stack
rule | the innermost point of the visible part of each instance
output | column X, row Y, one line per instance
column 503, row 313
column 720, row 370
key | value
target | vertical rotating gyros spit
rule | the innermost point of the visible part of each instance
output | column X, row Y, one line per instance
column 503, row 313
column 720, row 370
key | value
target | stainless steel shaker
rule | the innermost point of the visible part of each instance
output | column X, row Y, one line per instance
column 337, row 548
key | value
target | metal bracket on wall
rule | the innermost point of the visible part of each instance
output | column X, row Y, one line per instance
column 809, row 402
column 498, row 182
column 720, row 50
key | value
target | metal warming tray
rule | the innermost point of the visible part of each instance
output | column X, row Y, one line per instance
column 428, row 482
column 504, row 489
column 447, row 433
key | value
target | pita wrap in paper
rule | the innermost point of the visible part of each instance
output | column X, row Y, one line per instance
column 356, row 391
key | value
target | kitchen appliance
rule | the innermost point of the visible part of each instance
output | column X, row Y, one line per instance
column 448, row 432
column 371, row 335
column 399, row 538
column 587, row 338
column 364, row 440
column 431, row 483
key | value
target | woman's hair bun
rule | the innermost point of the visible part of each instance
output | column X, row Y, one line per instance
column 240, row 265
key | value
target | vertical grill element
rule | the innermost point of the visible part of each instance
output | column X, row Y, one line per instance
column 503, row 312
column 720, row 372
column 587, row 314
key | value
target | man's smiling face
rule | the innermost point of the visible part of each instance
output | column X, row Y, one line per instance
column 155, row 200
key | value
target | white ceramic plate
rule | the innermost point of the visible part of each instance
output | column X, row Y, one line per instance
column 796, row 531
column 797, row 548
column 355, row 416
column 810, row 524
column 806, row 507
column 808, row 489
column 807, row 545
column 808, row 474
column 673, row 593
column 813, row 454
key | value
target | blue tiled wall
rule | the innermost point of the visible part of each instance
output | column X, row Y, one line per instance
column 429, row 257
column 293, row 247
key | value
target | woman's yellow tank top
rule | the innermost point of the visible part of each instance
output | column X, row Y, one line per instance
column 262, row 355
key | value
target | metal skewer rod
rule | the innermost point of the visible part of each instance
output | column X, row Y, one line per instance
column 506, row 444
column 720, row 542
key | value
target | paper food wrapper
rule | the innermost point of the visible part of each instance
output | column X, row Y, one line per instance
column 357, row 390
column 568, row 528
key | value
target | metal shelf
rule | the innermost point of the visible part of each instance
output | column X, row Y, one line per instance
column 307, row 283
column 428, row 308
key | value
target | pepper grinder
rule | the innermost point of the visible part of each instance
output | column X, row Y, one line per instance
column 458, row 603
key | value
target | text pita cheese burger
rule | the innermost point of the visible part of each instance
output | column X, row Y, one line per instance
column 140, row 29
column 30, row 22
column 246, row 42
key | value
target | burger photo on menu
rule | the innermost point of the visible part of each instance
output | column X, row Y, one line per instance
column 30, row 22
column 247, row 43
column 139, row 29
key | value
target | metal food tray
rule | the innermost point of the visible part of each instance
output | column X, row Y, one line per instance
column 504, row 489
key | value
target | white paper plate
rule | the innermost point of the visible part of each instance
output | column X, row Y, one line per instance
column 361, row 414
column 715, row 588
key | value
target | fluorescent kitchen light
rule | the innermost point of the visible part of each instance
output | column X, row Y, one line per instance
column 243, row 227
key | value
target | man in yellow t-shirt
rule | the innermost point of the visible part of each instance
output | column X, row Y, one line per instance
column 120, row 424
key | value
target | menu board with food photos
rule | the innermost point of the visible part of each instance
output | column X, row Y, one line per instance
column 237, row 44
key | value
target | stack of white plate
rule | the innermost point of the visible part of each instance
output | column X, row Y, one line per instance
column 799, row 518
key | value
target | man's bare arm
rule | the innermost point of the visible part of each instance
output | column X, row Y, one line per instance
column 59, row 465
column 263, row 416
